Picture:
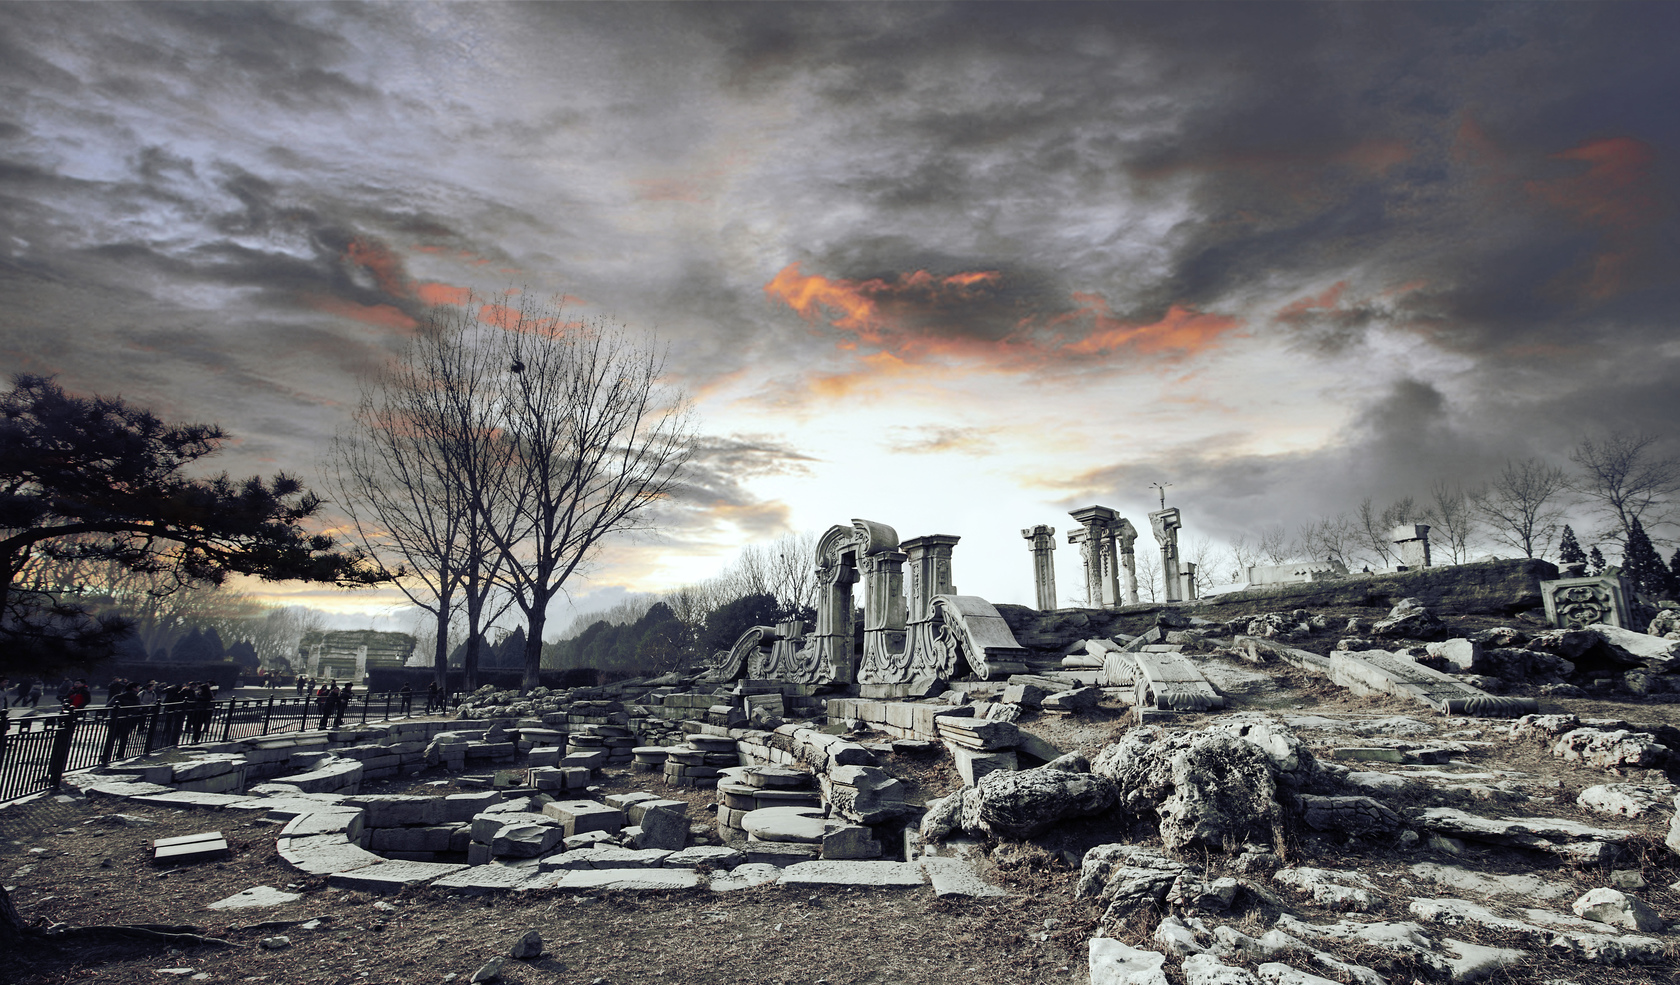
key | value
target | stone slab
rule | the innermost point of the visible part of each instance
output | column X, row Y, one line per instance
column 628, row 880
column 256, row 896
column 478, row 879
column 839, row 873
column 749, row 875
column 391, row 877
column 956, row 877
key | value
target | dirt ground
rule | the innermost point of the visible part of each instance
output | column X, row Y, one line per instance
column 86, row 862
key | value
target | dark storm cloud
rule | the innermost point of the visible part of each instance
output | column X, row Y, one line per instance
column 238, row 206
column 713, row 488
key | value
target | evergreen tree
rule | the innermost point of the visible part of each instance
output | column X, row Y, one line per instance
column 1643, row 565
column 189, row 649
column 1674, row 574
column 511, row 651
column 1569, row 549
column 244, row 653
column 1595, row 561
column 214, row 649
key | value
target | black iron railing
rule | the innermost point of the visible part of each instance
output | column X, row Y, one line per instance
column 36, row 751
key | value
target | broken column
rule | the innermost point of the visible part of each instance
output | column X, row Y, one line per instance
column 1096, row 548
column 1166, row 523
column 1187, row 578
column 1412, row 539
column 1042, row 540
column 930, row 572
column 1125, row 541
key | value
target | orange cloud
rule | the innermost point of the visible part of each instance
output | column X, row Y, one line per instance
column 385, row 266
column 1616, row 193
column 512, row 319
column 917, row 316
column 434, row 293
column 1182, row 330
column 382, row 315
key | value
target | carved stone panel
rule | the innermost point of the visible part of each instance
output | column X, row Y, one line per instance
column 1577, row 602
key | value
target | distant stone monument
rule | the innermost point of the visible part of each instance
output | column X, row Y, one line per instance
column 348, row 654
column 934, row 634
column 1290, row 574
column 1572, row 603
column 1166, row 523
column 1042, row 540
column 1106, row 548
column 1413, row 541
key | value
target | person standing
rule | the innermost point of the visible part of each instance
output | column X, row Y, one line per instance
column 326, row 699
column 202, row 705
column 5, row 685
column 432, row 701
column 79, row 696
column 407, row 696
column 124, row 715
column 343, row 703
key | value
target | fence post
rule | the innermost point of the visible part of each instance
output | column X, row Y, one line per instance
column 61, row 747
column 151, row 728
column 227, row 726
column 367, row 699
column 268, row 713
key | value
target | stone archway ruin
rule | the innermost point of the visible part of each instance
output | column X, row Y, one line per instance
column 931, row 633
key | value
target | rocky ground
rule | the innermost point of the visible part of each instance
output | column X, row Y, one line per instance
column 1433, row 885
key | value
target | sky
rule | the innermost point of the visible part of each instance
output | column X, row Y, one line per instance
column 957, row 268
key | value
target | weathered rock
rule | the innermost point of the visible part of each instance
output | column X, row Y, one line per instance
column 1024, row 803
column 1408, row 619
column 1350, row 815
column 1115, row 963
column 1626, row 799
column 1654, row 653
column 1618, row 909
column 1527, row 666
column 1328, row 887
column 1615, row 750
column 1227, row 783
column 1459, row 654
column 943, row 816
column 1205, row 969
column 1129, row 876
column 865, row 794
column 1077, row 700
column 528, row 947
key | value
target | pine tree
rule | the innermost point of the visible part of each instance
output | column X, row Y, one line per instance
column 1643, row 565
column 1674, row 575
column 190, row 649
column 1595, row 561
column 214, row 648
column 1569, row 549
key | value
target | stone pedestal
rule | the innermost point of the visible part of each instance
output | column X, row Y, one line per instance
column 1412, row 541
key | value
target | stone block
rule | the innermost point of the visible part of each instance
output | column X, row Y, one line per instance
column 485, row 825
column 459, row 807
column 581, row 816
column 972, row 765
column 525, row 840
column 663, row 829
column 849, row 842
column 637, row 810
column 208, row 846
column 399, row 810
column 429, row 839
column 862, row 874
column 328, row 820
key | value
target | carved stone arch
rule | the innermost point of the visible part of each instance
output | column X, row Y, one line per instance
column 971, row 631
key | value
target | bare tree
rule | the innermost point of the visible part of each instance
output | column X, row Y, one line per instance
column 418, row 471
column 1243, row 556
column 1520, row 505
column 1149, row 582
column 792, row 561
column 1624, row 479
column 598, row 440
column 1450, row 517
column 1273, row 544
column 1332, row 538
column 1374, row 527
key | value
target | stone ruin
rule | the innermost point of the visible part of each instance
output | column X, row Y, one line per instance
column 1211, row 820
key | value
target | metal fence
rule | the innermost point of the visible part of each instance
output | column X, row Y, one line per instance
column 36, row 751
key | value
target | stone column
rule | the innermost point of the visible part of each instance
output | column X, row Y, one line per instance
column 1189, row 577
column 1097, row 548
column 1042, row 540
column 833, row 636
column 1413, row 541
column 1125, row 539
column 1166, row 523
column 930, row 571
